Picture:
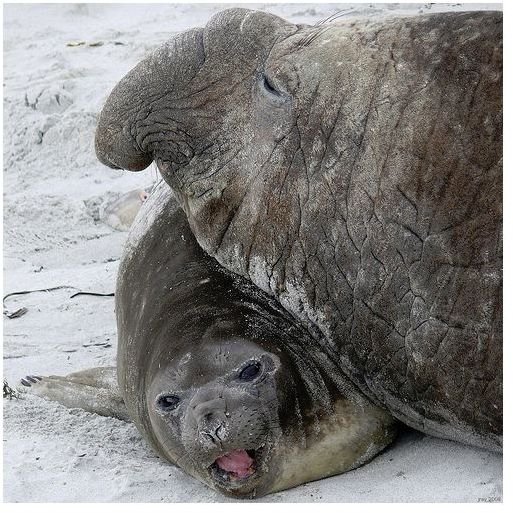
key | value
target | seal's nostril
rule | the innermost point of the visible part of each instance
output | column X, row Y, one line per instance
column 213, row 431
column 208, row 436
column 217, row 432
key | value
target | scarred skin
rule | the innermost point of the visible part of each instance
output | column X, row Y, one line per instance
column 354, row 172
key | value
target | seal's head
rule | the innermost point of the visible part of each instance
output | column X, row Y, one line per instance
column 249, row 415
column 220, row 412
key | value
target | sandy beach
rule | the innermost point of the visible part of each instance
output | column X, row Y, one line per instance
column 60, row 63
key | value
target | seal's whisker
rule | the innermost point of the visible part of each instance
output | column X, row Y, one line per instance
column 333, row 17
column 307, row 40
column 310, row 37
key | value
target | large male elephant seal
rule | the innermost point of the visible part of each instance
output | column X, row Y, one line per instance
column 352, row 171
column 217, row 376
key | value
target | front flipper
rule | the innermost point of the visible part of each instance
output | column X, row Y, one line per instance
column 94, row 390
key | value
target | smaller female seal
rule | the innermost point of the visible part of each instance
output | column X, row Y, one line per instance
column 218, row 378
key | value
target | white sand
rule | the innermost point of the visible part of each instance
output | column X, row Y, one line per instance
column 54, row 192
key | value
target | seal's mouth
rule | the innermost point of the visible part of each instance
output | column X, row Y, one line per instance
column 236, row 467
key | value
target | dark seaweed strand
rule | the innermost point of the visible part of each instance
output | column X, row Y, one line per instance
column 91, row 294
column 56, row 288
column 37, row 290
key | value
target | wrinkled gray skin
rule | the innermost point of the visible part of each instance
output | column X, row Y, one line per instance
column 188, row 328
column 354, row 172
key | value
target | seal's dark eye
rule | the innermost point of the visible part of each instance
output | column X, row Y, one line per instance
column 250, row 372
column 168, row 402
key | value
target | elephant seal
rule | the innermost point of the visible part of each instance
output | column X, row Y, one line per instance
column 218, row 378
column 354, row 172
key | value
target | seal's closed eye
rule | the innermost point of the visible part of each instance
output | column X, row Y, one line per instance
column 268, row 86
column 168, row 402
column 272, row 91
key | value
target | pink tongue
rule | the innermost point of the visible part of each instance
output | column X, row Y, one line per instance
column 237, row 462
